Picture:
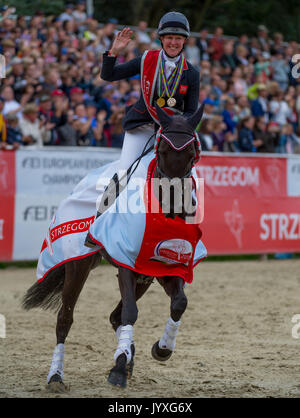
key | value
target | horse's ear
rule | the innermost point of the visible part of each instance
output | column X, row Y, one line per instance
column 163, row 117
column 194, row 120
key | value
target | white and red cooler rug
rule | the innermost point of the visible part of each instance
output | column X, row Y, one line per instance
column 134, row 237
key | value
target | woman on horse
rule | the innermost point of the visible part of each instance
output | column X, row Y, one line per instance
column 167, row 79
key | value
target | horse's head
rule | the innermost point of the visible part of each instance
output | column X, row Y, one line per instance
column 177, row 145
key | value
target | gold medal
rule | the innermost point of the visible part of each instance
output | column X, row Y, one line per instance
column 171, row 101
column 161, row 102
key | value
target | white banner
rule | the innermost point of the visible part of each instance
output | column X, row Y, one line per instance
column 293, row 176
column 43, row 179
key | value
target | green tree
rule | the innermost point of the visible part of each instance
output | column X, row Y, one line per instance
column 29, row 7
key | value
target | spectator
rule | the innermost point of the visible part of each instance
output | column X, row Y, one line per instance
column 243, row 41
column 281, row 70
column 246, row 141
column 289, row 141
column 260, row 106
column 205, row 134
column 240, row 86
column 67, row 133
column 106, row 101
column 262, row 37
column 262, row 67
column 79, row 14
column 216, row 44
column 218, row 133
column 117, row 133
column 229, row 115
column 261, row 132
column 97, row 123
column 109, row 32
column 278, row 44
column 14, row 134
column 52, row 56
column 230, row 142
column 141, row 34
column 3, row 131
column 279, row 109
column 202, row 43
column 89, row 126
column 227, row 60
column 241, row 54
column 192, row 52
column 46, row 114
column 10, row 104
column 34, row 130
column 67, row 14
column 76, row 96
column 205, row 77
column 242, row 108
column 209, row 110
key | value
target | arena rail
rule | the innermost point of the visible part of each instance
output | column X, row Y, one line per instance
column 252, row 201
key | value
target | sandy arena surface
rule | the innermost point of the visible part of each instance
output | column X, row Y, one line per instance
column 235, row 338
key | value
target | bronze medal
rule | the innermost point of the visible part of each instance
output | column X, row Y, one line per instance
column 171, row 101
column 161, row 102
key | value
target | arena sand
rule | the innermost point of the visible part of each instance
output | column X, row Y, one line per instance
column 235, row 338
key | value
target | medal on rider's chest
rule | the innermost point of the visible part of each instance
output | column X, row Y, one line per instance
column 161, row 102
column 171, row 101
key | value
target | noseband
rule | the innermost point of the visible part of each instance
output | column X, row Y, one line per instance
column 160, row 135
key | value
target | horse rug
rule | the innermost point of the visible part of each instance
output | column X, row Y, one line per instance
column 134, row 236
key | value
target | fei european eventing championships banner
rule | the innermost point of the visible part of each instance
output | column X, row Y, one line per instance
column 251, row 202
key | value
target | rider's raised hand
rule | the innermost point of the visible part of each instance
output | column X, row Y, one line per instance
column 121, row 41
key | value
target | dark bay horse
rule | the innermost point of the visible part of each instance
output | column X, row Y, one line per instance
column 177, row 149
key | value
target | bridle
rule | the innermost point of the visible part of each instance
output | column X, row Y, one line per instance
column 160, row 135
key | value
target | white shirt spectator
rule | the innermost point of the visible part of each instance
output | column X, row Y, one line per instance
column 281, row 111
column 79, row 16
column 65, row 16
column 11, row 106
column 33, row 129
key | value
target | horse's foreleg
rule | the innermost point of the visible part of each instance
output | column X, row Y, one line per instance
column 129, row 312
column 116, row 321
column 115, row 316
column 163, row 349
column 76, row 273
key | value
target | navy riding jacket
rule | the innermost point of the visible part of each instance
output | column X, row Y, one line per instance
column 137, row 114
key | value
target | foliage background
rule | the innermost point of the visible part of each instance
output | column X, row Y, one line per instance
column 235, row 16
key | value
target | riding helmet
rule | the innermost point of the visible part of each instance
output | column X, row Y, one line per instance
column 174, row 23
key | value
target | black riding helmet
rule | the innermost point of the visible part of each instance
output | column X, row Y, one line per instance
column 174, row 23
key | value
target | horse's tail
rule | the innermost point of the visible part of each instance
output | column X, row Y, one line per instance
column 47, row 293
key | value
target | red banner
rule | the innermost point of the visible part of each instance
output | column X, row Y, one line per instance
column 247, row 209
column 7, row 203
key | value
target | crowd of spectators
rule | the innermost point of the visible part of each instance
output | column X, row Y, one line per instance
column 52, row 93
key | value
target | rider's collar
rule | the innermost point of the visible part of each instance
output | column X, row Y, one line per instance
column 171, row 59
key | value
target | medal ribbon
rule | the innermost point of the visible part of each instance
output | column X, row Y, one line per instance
column 169, row 81
column 170, row 85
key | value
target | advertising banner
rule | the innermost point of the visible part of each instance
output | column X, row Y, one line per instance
column 251, row 202
column 7, row 203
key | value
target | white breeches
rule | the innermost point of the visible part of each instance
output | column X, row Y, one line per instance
column 134, row 143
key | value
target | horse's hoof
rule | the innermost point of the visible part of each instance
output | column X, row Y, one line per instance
column 56, row 385
column 160, row 354
column 117, row 378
